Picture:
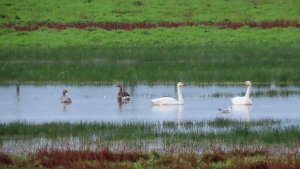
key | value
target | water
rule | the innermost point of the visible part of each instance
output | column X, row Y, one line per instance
column 41, row 103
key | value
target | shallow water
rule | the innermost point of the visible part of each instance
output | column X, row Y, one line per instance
column 41, row 103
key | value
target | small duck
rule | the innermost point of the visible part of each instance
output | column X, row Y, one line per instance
column 64, row 98
column 122, row 95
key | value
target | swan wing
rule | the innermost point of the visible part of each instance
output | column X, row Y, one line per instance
column 164, row 101
column 236, row 100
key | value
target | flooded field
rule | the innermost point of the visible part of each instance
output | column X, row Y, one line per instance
column 41, row 103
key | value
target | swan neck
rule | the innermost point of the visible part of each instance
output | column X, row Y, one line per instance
column 64, row 94
column 180, row 98
column 247, row 95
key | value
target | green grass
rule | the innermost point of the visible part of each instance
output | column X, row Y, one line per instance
column 196, row 54
column 149, row 11
column 160, row 37
column 228, row 132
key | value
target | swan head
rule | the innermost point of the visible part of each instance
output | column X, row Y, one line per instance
column 180, row 84
column 248, row 83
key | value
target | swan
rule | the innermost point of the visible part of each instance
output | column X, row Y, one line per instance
column 170, row 100
column 245, row 100
column 122, row 95
column 64, row 98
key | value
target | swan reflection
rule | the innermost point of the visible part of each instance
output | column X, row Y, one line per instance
column 242, row 111
column 168, row 112
column 121, row 103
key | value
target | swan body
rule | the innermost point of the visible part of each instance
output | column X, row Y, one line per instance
column 64, row 98
column 244, row 100
column 122, row 95
column 170, row 100
column 165, row 101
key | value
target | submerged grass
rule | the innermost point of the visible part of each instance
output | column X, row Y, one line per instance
column 216, row 63
column 188, row 133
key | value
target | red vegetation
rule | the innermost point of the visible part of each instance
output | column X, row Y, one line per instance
column 5, row 159
column 74, row 158
column 151, row 25
column 104, row 158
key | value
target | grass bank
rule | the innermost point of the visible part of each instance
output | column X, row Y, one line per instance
column 197, row 54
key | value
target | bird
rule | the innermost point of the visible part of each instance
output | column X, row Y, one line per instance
column 122, row 95
column 225, row 110
column 245, row 100
column 64, row 98
column 170, row 100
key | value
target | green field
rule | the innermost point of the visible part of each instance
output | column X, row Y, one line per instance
column 149, row 11
column 194, row 54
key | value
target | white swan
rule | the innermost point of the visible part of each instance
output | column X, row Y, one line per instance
column 170, row 100
column 243, row 100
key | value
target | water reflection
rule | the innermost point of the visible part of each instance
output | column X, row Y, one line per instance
column 122, row 102
column 18, row 93
column 65, row 105
column 180, row 116
column 169, row 111
column 242, row 111
column 239, row 112
column 18, row 89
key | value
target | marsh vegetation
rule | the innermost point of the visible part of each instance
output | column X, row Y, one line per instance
column 211, row 144
column 168, row 134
